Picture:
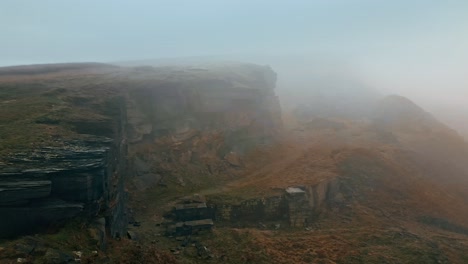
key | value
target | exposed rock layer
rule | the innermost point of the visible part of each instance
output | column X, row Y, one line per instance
column 78, row 163
column 51, row 184
column 297, row 206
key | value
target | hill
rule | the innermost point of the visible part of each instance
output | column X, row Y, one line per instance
column 112, row 150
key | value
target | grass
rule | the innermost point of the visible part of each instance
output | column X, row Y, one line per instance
column 378, row 224
column 39, row 110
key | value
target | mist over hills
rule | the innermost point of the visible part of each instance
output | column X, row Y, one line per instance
column 234, row 131
column 367, row 165
column 454, row 116
column 420, row 131
column 325, row 84
column 396, row 112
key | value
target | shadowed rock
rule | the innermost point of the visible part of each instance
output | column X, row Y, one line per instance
column 14, row 193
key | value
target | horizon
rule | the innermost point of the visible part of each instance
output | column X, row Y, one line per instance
column 417, row 49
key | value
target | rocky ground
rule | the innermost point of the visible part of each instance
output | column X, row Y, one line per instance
column 385, row 212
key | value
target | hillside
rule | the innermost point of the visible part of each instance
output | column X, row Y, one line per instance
column 395, row 202
column 73, row 137
column 421, row 132
column 96, row 157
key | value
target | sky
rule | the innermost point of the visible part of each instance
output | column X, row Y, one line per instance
column 417, row 48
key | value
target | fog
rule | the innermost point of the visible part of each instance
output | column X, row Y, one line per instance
column 418, row 48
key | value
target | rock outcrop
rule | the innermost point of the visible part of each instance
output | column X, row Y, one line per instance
column 20, row 192
column 184, row 103
column 297, row 206
column 55, row 165
column 204, row 117
column 82, row 121
column 55, row 183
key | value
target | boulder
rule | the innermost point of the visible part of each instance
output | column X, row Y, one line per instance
column 97, row 232
column 234, row 159
column 54, row 256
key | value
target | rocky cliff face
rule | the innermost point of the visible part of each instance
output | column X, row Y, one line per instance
column 296, row 206
column 206, row 118
column 235, row 99
column 79, row 177
column 71, row 160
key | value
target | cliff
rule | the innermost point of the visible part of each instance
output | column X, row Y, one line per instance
column 87, row 149
column 66, row 130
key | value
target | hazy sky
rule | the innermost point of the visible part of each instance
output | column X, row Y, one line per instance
column 403, row 46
